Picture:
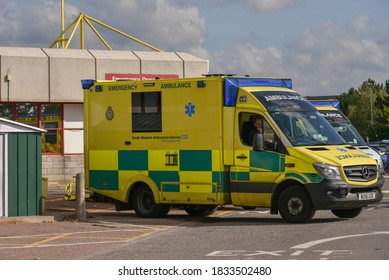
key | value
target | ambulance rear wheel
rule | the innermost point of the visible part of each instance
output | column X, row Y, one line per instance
column 144, row 204
column 200, row 210
column 295, row 205
column 347, row 213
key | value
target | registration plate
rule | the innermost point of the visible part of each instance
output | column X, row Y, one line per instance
column 366, row 196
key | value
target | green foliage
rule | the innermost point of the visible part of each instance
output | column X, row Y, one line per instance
column 368, row 109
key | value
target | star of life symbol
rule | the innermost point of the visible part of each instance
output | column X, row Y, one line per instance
column 109, row 113
column 190, row 109
column 342, row 150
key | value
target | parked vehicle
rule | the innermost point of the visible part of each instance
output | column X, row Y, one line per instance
column 383, row 150
column 348, row 132
column 151, row 145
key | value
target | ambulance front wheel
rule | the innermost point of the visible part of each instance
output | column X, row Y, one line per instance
column 347, row 213
column 144, row 204
column 295, row 205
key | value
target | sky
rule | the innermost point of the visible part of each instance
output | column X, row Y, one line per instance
column 325, row 46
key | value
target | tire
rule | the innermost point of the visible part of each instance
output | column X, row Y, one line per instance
column 249, row 207
column 144, row 204
column 295, row 205
column 347, row 213
column 200, row 210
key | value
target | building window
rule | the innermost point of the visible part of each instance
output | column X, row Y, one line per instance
column 146, row 112
column 7, row 111
column 27, row 113
column 51, row 120
column 47, row 116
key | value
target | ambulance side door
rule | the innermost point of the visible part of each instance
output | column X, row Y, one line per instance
column 254, row 172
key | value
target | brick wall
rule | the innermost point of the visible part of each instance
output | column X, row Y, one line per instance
column 61, row 169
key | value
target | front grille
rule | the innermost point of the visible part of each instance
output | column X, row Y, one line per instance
column 361, row 173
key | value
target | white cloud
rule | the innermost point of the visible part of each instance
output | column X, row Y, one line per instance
column 30, row 23
column 271, row 5
column 164, row 24
column 327, row 60
column 246, row 59
column 177, row 26
column 161, row 23
column 360, row 23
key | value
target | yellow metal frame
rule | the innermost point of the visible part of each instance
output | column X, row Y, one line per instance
column 79, row 21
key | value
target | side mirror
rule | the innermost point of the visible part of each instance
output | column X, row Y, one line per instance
column 258, row 142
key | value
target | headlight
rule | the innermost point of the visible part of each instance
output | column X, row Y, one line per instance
column 327, row 171
column 380, row 163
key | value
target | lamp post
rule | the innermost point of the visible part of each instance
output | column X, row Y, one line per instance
column 371, row 106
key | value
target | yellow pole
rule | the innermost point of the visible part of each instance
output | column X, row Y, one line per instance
column 63, row 22
column 61, row 38
column 79, row 19
column 97, row 34
column 63, row 33
column 122, row 33
column 82, row 37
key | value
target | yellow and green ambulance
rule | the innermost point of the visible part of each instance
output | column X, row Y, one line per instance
column 156, row 144
column 348, row 132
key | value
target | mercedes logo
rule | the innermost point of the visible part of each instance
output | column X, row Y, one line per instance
column 365, row 172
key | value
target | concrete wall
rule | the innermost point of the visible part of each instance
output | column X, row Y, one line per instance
column 54, row 75
column 66, row 69
column 115, row 62
column 24, row 75
column 61, row 169
column 193, row 65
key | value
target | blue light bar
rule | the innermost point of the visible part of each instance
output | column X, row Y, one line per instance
column 252, row 82
column 86, row 84
column 333, row 103
column 230, row 92
column 232, row 85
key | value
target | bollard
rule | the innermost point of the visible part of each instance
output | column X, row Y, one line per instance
column 80, row 198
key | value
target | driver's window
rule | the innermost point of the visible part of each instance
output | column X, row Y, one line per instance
column 250, row 124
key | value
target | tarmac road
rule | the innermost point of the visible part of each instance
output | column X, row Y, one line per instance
column 58, row 236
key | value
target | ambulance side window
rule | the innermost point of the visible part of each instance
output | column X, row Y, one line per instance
column 246, row 125
column 146, row 112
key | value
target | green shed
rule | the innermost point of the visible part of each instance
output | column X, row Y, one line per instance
column 20, row 169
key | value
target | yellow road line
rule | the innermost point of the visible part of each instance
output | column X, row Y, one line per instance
column 47, row 240
column 222, row 213
column 66, row 235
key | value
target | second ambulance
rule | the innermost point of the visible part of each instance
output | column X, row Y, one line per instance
column 348, row 132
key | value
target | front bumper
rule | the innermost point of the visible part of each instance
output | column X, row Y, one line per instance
column 330, row 194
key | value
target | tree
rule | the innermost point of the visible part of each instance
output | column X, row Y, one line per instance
column 368, row 109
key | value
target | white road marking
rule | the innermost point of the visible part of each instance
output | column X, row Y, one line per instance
column 297, row 253
column 316, row 242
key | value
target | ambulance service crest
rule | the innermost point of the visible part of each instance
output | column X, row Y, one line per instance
column 109, row 113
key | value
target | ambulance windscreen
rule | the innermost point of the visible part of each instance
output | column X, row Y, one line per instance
column 298, row 119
